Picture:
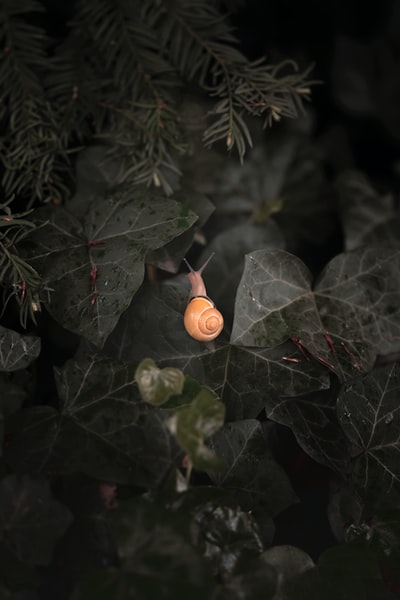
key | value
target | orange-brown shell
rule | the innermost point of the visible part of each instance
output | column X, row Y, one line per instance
column 202, row 320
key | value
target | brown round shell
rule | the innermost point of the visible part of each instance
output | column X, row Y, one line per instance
column 202, row 320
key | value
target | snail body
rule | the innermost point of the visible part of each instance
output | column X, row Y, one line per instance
column 202, row 320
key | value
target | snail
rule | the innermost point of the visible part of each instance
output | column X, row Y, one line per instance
column 202, row 320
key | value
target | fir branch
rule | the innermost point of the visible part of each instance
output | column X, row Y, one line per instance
column 145, row 135
column 136, row 114
column 19, row 280
column 200, row 43
column 34, row 150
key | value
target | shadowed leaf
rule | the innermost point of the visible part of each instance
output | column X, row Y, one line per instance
column 102, row 428
column 369, row 413
column 31, row 520
column 249, row 472
column 95, row 265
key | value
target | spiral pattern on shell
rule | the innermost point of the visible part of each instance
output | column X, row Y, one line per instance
column 202, row 320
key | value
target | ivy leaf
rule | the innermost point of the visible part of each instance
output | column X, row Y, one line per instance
column 225, row 270
column 386, row 233
column 289, row 563
column 313, row 420
column 251, row 578
column 274, row 300
column 255, row 479
column 245, row 378
column 386, row 527
column 156, row 385
column 95, row 265
column 170, row 256
column 362, row 208
column 102, row 429
column 31, row 520
column 280, row 175
column 369, row 413
column 17, row 351
column 352, row 316
column 194, row 423
column 358, row 297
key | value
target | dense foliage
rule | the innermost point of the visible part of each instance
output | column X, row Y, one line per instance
column 138, row 462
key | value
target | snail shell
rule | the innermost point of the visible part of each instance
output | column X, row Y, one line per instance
column 202, row 320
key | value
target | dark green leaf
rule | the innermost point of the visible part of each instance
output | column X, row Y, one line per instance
column 156, row 385
column 251, row 578
column 289, row 563
column 253, row 476
column 362, row 208
column 368, row 411
column 17, row 351
column 96, row 265
column 225, row 270
column 281, row 176
column 386, row 527
column 313, row 420
column 386, row 234
column 41, row 441
column 274, row 300
column 170, row 256
column 31, row 520
column 103, row 429
column 358, row 297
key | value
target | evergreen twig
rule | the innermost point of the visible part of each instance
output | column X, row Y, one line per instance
column 18, row 279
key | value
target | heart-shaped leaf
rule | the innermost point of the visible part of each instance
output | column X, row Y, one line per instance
column 352, row 316
column 362, row 208
column 95, row 265
column 17, row 351
column 313, row 420
column 31, row 520
column 225, row 270
column 256, row 480
column 156, row 385
column 274, row 300
column 385, row 234
column 369, row 413
column 281, row 176
column 358, row 297
column 103, row 428
column 289, row 563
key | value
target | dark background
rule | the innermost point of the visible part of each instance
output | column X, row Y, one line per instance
column 355, row 48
